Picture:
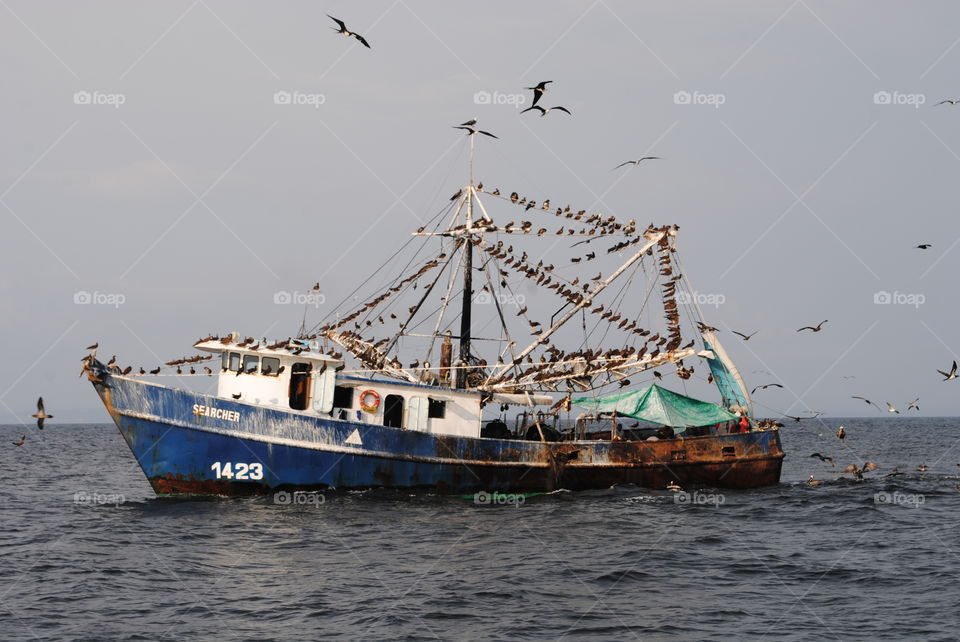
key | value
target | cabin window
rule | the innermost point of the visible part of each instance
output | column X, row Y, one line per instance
column 393, row 411
column 250, row 363
column 225, row 361
column 299, row 386
column 234, row 361
column 437, row 409
column 270, row 366
column 342, row 397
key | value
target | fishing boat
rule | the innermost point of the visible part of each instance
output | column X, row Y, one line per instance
column 474, row 365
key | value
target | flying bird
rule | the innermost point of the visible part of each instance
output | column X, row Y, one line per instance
column 890, row 408
column 816, row 328
column 952, row 102
column 913, row 405
column 952, row 374
column 546, row 110
column 20, row 441
column 343, row 29
column 924, row 246
column 636, row 162
column 867, row 401
column 765, row 386
column 41, row 414
column 538, row 90
column 746, row 337
column 824, row 458
column 473, row 130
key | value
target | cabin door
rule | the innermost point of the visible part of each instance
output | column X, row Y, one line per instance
column 393, row 411
column 299, row 386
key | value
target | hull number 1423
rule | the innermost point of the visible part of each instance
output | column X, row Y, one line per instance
column 239, row 471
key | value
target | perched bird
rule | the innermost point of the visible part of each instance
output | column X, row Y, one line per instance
column 343, row 30
column 814, row 482
column 636, row 162
column 890, row 408
column 546, row 110
column 469, row 123
column 952, row 374
column 472, row 130
column 913, row 405
column 841, row 433
column 824, row 458
column 237, row 396
column 41, row 414
column 94, row 346
column 746, row 337
column 657, row 375
column 816, row 328
column 155, row 370
column 20, row 441
column 538, row 90
column 924, row 246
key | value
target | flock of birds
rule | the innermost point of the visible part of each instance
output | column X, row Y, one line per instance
column 841, row 433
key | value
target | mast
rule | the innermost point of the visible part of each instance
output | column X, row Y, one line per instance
column 465, row 313
column 467, row 240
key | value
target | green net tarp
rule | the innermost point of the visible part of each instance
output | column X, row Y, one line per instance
column 658, row 406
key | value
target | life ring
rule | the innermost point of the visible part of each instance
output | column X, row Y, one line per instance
column 372, row 404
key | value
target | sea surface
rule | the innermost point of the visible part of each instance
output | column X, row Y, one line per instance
column 88, row 553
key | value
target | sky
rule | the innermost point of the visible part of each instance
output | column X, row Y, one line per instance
column 168, row 168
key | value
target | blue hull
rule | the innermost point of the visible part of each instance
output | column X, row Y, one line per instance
column 230, row 448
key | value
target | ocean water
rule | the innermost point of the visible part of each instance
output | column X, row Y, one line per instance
column 87, row 552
